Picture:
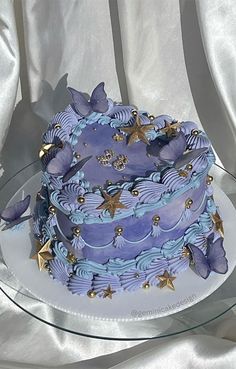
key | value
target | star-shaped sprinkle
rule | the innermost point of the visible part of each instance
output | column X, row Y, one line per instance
column 111, row 203
column 170, row 129
column 43, row 254
column 218, row 223
column 166, row 280
column 108, row 292
column 137, row 131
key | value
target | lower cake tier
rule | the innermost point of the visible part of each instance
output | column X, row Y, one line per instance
column 155, row 266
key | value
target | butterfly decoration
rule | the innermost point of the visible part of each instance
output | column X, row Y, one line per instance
column 98, row 101
column 13, row 214
column 174, row 152
column 60, row 165
column 214, row 260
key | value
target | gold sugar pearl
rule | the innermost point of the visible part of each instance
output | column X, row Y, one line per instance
column 151, row 117
column 135, row 192
column 52, row 209
column 81, row 199
column 71, row 258
column 146, row 285
column 185, row 252
column 54, row 237
column 119, row 230
column 76, row 231
column 189, row 167
column 85, row 144
column 188, row 203
column 136, row 275
column 156, row 219
column 94, row 128
column 195, row 132
column 57, row 126
column 134, row 113
column 109, row 183
column 91, row 294
column 210, row 178
column 77, row 155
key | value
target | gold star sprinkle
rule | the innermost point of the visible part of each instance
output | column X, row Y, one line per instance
column 111, row 203
column 43, row 255
column 137, row 131
column 170, row 129
column 218, row 223
column 108, row 292
column 166, row 280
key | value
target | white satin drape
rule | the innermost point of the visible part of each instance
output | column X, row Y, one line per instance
column 168, row 56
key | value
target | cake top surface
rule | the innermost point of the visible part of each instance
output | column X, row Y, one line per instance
column 102, row 159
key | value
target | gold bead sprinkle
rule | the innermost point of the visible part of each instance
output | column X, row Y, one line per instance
column 146, row 285
column 119, row 230
column 52, row 209
column 77, row 155
column 151, row 117
column 109, row 183
column 91, row 294
column 77, row 231
column 188, row 203
column 134, row 113
column 195, row 132
column 85, row 144
column 136, row 275
column 156, row 219
column 189, row 167
column 71, row 258
column 57, row 126
column 135, row 192
column 185, row 252
column 81, row 199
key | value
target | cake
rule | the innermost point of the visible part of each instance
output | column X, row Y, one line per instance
column 126, row 199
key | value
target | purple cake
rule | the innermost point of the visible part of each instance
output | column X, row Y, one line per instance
column 126, row 200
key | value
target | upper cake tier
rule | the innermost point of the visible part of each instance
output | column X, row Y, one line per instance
column 103, row 161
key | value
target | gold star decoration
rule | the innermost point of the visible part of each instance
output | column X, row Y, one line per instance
column 166, row 280
column 111, row 203
column 137, row 131
column 218, row 223
column 108, row 292
column 170, row 129
column 42, row 254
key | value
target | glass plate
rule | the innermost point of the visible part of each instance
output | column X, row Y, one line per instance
column 204, row 312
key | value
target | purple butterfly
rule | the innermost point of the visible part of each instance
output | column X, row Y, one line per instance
column 214, row 260
column 12, row 214
column 61, row 164
column 98, row 101
column 173, row 152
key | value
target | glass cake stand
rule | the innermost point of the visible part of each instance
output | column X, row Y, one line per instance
column 218, row 305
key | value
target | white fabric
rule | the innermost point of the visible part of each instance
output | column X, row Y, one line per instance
column 168, row 56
